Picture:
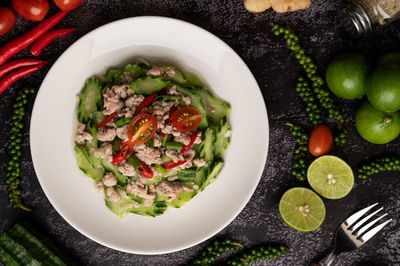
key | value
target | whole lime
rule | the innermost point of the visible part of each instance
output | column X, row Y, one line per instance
column 376, row 126
column 383, row 88
column 346, row 75
column 389, row 59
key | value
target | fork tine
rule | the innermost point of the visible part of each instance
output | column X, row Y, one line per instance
column 367, row 226
column 353, row 218
column 357, row 225
column 372, row 232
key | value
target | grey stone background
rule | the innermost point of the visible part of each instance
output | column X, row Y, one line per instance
column 275, row 69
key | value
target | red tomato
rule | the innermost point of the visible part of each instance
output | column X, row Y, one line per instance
column 34, row 10
column 141, row 129
column 320, row 141
column 186, row 119
column 66, row 5
column 7, row 20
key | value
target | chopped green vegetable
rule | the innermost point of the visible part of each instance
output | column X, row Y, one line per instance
column 116, row 144
column 85, row 164
column 150, row 144
column 164, row 140
column 148, row 85
column 161, row 169
column 134, row 70
column 187, row 175
column 165, row 98
column 173, row 146
column 114, row 169
column 112, row 77
column 134, row 162
column 122, row 121
column 91, row 100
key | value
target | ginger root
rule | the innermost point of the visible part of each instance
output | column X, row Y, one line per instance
column 281, row 6
column 256, row 6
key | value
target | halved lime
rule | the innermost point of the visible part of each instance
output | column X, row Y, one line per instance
column 302, row 209
column 330, row 176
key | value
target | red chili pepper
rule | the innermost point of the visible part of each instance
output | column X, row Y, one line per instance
column 145, row 170
column 161, row 134
column 171, row 164
column 106, row 120
column 19, row 63
column 16, row 75
column 193, row 138
column 47, row 38
column 146, row 102
column 23, row 41
column 122, row 154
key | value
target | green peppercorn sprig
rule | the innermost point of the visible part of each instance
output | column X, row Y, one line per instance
column 378, row 165
column 215, row 250
column 14, row 149
column 255, row 254
column 299, row 168
column 323, row 96
column 307, row 95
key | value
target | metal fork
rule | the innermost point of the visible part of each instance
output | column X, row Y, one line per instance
column 352, row 233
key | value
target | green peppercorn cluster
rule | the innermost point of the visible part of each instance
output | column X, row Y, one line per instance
column 299, row 167
column 213, row 251
column 323, row 96
column 258, row 253
column 307, row 95
column 378, row 165
column 14, row 149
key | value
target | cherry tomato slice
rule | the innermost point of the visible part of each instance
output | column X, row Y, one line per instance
column 7, row 20
column 321, row 140
column 186, row 119
column 142, row 128
column 34, row 10
column 67, row 5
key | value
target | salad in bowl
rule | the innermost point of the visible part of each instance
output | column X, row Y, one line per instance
column 151, row 136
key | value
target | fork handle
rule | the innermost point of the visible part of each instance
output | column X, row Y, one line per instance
column 328, row 260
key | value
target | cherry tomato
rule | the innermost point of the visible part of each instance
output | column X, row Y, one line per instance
column 142, row 128
column 34, row 10
column 66, row 5
column 7, row 20
column 186, row 119
column 320, row 141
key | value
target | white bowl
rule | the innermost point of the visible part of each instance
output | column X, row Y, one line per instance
column 54, row 123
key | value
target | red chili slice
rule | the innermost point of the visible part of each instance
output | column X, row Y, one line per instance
column 145, row 103
column 122, row 154
column 107, row 120
column 171, row 164
column 193, row 138
column 145, row 170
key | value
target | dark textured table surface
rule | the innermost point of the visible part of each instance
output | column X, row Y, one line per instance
column 275, row 69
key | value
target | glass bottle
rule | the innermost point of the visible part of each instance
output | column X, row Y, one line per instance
column 360, row 17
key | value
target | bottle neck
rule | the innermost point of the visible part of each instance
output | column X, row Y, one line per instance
column 355, row 20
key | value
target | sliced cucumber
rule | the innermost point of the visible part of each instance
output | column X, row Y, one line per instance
column 34, row 246
column 6, row 258
column 148, row 85
column 112, row 77
column 122, row 207
column 17, row 251
column 183, row 197
column 92, row 145
column 207, row 147
column 187, row 175
column 215, row 107
column 179, row 77
column 134, row 70
column 98, row 117
column 223, row 137
column 154, row 180
column 213, row 172
column 196, row 102
column 114, row 169
column 158, row 208
column 90, row 100
column 85, row 164
column 192, row 80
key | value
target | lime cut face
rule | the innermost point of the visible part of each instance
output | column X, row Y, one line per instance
column 331, row 177
column 302, row 209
